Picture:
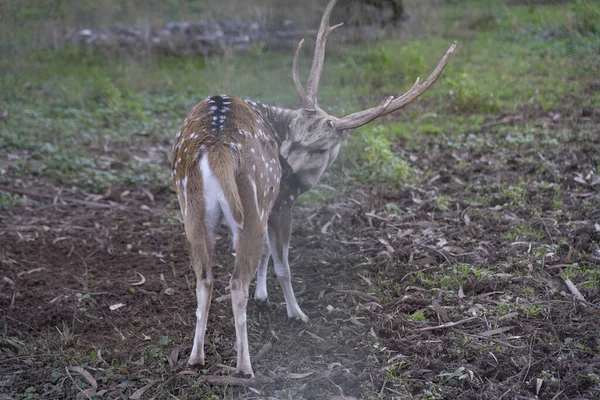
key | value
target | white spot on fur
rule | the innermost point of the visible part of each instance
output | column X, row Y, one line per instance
column 184, row 189
column 254, row 191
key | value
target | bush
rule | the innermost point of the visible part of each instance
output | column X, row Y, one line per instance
column 378, row 163
column 470, row 97
column 382, row 69
column 586, row 14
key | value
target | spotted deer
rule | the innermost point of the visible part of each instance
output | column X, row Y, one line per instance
column 245, row 164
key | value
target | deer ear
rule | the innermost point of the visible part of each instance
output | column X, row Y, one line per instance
column 329, row 123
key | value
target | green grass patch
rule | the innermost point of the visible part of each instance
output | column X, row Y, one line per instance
column 63, row 108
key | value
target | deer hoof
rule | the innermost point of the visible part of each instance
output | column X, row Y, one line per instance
column 243, row 374
column 261, row 299
column 299, row 315
column 194, row 362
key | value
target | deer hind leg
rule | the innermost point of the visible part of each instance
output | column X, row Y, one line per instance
column 280, row 228
column 261, row 277
column 200, row 254
column 199, row 237
column 248, row 256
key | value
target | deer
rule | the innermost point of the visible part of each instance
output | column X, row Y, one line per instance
column 243, row 164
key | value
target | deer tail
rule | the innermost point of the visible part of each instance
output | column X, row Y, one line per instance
column 223, row 164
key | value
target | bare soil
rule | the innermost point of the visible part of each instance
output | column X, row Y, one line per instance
column 363, row 271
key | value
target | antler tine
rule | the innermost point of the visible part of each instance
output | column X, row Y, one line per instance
column 314, row 77
column 361, row 118
column 296, row 78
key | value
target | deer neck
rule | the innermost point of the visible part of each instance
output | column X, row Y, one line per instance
column 297, row 176
column 277, row 117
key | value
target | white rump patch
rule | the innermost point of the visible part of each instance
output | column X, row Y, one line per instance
column 215, row 201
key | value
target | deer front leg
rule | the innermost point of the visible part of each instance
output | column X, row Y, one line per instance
column 280, row 228
column 261, row 277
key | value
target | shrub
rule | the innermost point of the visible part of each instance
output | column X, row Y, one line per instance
column 470, row 97
column 586, row 14
column 378, row 163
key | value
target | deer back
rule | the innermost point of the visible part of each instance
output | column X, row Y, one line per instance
column 240, row 149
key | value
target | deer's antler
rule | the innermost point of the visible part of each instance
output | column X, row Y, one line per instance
column 392, row 104
column 360, row 118
column 309, row 97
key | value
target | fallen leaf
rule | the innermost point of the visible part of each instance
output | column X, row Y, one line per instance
column 292, row 375
column 86, row 375
column 140, row 392
column 140, row 282
column 116, row 306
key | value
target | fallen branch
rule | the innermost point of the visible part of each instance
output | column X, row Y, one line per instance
column 573, row 289
column 494, row 332
column 228, row 380
column 446, row 325
column 68, row 200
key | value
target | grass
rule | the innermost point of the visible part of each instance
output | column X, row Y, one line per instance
column 63, row 105
column 74, row 118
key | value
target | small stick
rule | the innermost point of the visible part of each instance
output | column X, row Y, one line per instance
column 365, row 296
column 446, row 325
column 263, row 351
column 573, row 289
column 90, row 204
column 233, row 381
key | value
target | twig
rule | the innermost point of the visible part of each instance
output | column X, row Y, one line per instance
column 31, row 356
column 263, row 351
column 447, row 325
column 436, row 251
column 383, row 387
column 365, row 296
column 573, row 289
column 229, row 380
column 89, row 204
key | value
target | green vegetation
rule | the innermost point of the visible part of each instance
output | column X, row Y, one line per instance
column 480, row 193
column 61, row 107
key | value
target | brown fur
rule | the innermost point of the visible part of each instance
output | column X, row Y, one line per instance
column 259, row 159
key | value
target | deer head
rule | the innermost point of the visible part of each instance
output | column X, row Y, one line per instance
column 315, row 136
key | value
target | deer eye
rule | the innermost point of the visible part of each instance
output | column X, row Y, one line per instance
column 319, row 151
column 329, row 123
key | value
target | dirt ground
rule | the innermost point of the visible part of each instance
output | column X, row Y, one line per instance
column 378, row 283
